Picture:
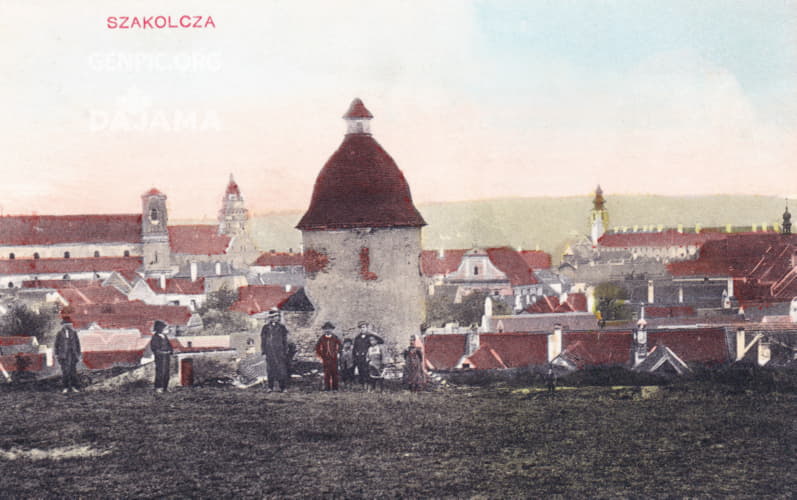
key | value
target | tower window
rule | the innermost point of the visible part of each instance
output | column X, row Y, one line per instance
column 66, row 255
column 36, row 255
column 96, row 253
column 153, row 214
column 10, row 284
column 127, row 253
column 476, row 271
column 11, row 256
column 66, row 277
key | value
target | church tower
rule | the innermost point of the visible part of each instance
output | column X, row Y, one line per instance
column 154, row 232
column 786, row 226
column 233, row 216
column 362, row 239
column 598, row 217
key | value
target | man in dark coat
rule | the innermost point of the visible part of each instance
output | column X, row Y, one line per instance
column 362, row 342
column 327, row 350
column 67, row 350
column 274, row 343
column 162, row 349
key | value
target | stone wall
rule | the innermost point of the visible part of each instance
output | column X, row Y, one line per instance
column 368, row 275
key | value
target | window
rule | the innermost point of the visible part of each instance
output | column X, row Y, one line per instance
column 96, row 253
column 66, row 277
column 153, row 214
column 475, row 270
column 11, row 256
column 36, row 255
column 10, row 284
column 66, row 255
column 127, row 253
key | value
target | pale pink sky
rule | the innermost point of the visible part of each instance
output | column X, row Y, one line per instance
column 472, row 101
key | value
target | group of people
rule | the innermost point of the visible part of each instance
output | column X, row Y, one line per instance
column 363, row 359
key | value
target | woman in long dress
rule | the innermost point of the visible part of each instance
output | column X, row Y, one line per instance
column 414, row 376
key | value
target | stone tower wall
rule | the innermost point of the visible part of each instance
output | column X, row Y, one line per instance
column 381, row 285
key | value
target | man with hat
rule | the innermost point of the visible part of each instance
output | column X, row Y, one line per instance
column 162, row 350
column 67, row 350
column 327, row 350
column 274, row 344
column 362, row 342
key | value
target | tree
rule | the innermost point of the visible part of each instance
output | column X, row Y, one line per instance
column 611, row 302
column 26, row 322
column 217, row 319
column 440, row 309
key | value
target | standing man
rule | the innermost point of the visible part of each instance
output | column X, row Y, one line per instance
column 274, row 343
column 327, row 350
column 362, row 342
column 67, row 350
column 162, row 349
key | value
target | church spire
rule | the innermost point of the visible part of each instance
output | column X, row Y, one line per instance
column 786, row 226
column 598, row 217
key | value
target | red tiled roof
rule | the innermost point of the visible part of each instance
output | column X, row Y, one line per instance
column 544, row 322
column 254, row 299
column 537, row 259
column 92, row 295
column 443, row 351
column 703, row 345
column 103, row 360
column 153, row 192
column 485, row 358
column 197, row 239
column 178, row 286
column 357, row 110
column 16, row 340
column 513, row 265
column 360, row 186
column 232, row 188
column 578, row 301
column 48, row 266
column 597, row 348
column 26, row 362
column 669, row 311
column 517, row 349
column 738, row 255
column 432, row 264
column 126, row 315
column 668, row 238
column 279, row 259
column 55, row 229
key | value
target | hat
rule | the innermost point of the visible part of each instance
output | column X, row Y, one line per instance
column 66, row 320
column 328, row 326
column 273, row 313
column 362, row 324
column 159, row 326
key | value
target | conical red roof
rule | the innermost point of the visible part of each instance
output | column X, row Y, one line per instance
column 360, row 186
column 357, row 110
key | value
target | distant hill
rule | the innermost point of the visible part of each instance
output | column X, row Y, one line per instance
column 547, row 223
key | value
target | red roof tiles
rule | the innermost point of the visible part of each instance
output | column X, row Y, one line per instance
column 597, row 348
column 51, row 266
column 537, row 259
column 485, row 358
column 280, row 259
column 357, row 110
column 703, row 345
column 198, row 239
column 182, row 286
column 55, row 229
column 444, row 351
column 360, row 186
column 510, row 262
column 92, row 295
column 126, row 315
column 432, row 264
column 254, row 299
column 668, row 238
column 517, row 349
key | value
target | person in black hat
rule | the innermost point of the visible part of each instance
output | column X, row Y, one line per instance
column 362, row 342
column 327, row 350
column 274, row 344
column 67, row 351
column 162, row 349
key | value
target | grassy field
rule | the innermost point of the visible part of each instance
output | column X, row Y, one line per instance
column 494, row 442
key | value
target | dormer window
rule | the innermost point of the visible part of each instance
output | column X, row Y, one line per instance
column 153, row 215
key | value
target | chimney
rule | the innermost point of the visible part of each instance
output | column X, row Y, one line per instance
column 764, row 352
column 288, row 288
column 441, row 253
column 680, row 294
column 680, row 228
column 764, row 227
column 698, row 227
column 471, row 342
column 162, row 281
column 193, row 269
column 555, row 342
column 740, row 347
column 218, row 268
column 728, row 228
column 730, row 287
column 641, row 340
column 651, row 294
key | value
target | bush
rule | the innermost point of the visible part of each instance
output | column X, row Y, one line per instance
column 25, row 322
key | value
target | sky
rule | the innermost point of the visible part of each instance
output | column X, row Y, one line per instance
column 474, row 100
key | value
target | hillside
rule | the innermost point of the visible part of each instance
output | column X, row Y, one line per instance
column 546, row 223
